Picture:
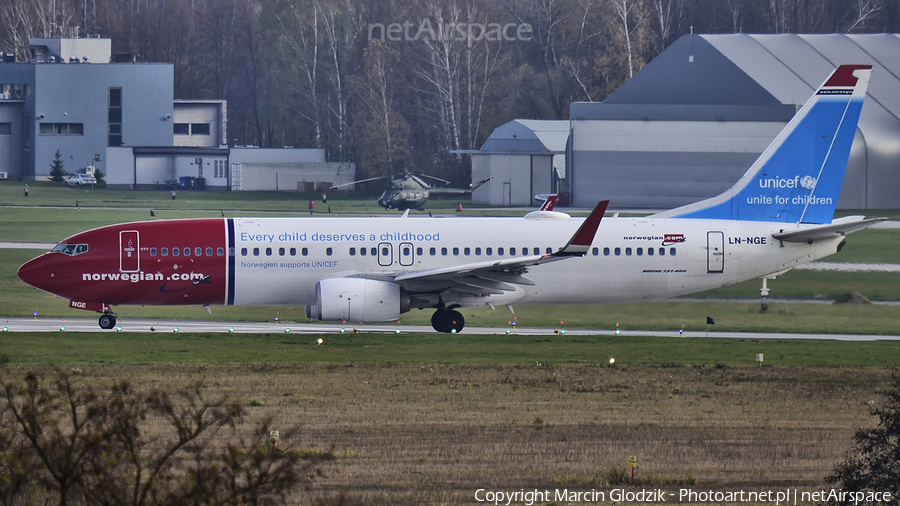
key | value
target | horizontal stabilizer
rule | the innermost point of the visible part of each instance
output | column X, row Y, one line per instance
column 840, row 227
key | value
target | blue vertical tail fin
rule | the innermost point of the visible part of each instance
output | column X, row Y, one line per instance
column 798, row 177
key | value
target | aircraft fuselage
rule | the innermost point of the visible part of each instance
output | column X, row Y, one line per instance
column 278, row 261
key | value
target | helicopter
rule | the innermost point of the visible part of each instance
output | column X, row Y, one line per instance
column 412, row 192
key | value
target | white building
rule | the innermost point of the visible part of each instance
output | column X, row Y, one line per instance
column 525, row 158
column 222, row 168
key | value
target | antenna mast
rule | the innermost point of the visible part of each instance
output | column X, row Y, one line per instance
column 88, row 18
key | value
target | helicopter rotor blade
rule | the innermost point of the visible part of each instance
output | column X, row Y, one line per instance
column 358, row 182
column 435, row 178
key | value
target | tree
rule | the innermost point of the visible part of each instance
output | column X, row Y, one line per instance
column 57, row 172
column 83, row 444
column 873, row 465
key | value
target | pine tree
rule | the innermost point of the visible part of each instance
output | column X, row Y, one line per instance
column 57, row 172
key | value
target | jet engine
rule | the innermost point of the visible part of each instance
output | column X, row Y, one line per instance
column 359, row 300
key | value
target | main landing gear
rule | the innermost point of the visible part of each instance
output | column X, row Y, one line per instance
column 448, row 321
column 107, row 321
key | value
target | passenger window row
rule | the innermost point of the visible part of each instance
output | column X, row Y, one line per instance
column 455, row 251
column 638, row 251
column 187, row 252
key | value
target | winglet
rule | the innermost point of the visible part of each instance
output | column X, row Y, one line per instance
column 581, row 241
column 549, row 202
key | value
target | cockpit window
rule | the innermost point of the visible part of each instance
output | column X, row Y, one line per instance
column 70, row 249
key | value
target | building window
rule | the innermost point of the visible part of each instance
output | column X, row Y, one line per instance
column 182, row 129
column 62, row 129
column 199, row 128
column 115, row 97
column 115, row 117
column 5, row 128
column 220, row 169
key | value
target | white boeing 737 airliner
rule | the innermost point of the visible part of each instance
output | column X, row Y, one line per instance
column 779, row 215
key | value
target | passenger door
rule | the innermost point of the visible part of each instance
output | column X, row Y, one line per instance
column 129, row 251
column 715, row 259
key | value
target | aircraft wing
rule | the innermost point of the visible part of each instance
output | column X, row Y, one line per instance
column 839, row 227
column 497, row 276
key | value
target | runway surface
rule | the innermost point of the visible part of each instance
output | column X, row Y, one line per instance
column 169, row 326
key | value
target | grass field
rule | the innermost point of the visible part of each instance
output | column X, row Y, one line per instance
column 408, row 433
column 78, row 349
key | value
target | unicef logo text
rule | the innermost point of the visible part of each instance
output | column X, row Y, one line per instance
column 807, row 182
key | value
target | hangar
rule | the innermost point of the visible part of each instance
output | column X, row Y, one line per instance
column 689, row 124
column 524, row 158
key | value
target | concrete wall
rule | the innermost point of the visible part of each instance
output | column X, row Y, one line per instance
column 11, row 140
column 290, row 176
column 120, row 168
column 517, row 178
column 96, row 50
column 79, row 93
column 17, row 148
column 161, row 171
column 661, row 164
column 189, row 113
column 277, row 155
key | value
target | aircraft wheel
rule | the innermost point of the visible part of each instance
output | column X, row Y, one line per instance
column 107, row 321
column 455, row 321
column 439, row 321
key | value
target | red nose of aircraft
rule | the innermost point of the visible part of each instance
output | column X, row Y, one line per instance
column 39, row 273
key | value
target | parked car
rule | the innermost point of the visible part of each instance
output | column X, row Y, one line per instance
column 80, row 180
